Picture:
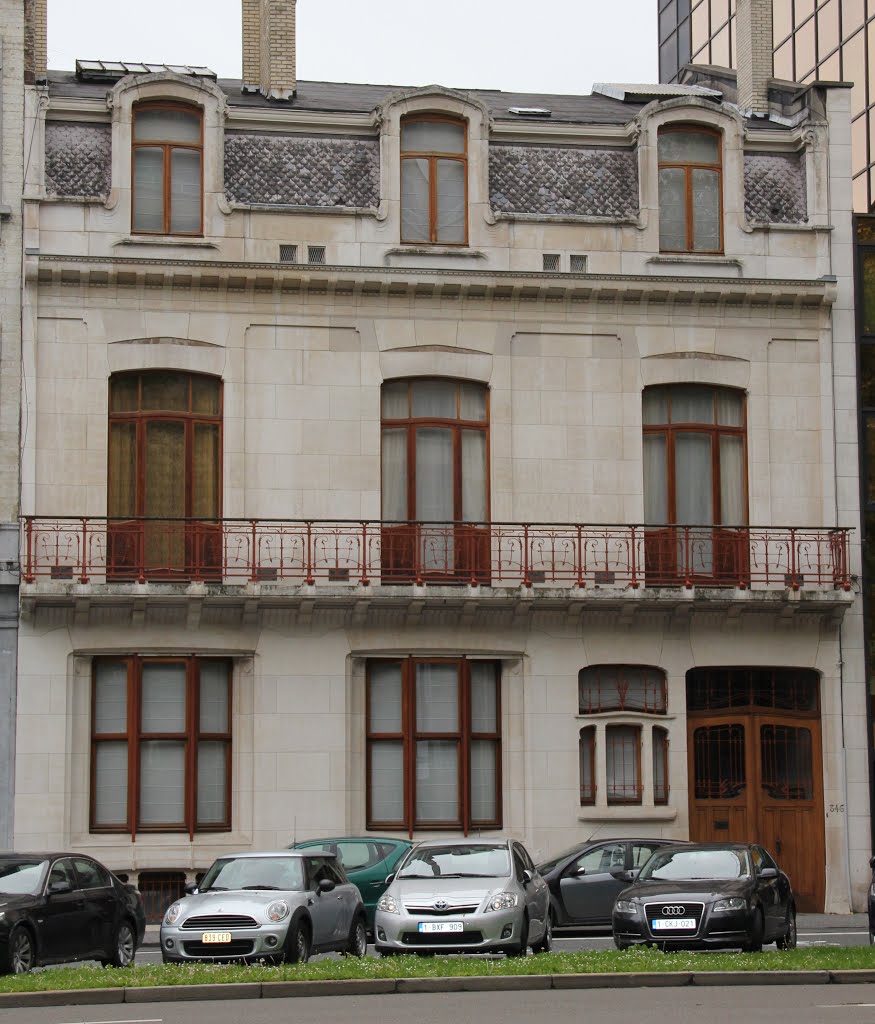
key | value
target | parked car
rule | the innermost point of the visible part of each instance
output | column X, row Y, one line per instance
column 465, row 896
column 281, row 906
column 872, row 903
column 708, row 896
column 56, row 907
column 586, row 878
column 367, row 861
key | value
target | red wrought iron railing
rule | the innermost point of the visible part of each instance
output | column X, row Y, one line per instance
column 239, row 551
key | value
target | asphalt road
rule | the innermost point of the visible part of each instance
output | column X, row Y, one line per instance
column 804, row 1004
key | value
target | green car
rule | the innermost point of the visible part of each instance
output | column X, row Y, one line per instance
column 367, row 860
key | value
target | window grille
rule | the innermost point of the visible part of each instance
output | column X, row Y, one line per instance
column 578, row 264
column 552, row 262
column 316, row 254
column 288, row 254
column 621, row 688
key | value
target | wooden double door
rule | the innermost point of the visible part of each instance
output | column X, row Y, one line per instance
column 756, row 776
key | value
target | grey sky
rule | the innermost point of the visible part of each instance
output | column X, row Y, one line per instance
column 525, row 45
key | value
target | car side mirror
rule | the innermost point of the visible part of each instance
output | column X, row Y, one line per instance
column 191, row 889
column 768, row 873
column 528, row 877
column 325, row 885
column 579, row 872
column 390, row 879
column 59, row 888
column 872, row 862
column 631, row 875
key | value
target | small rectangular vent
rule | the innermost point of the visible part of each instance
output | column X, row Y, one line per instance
column 537, row 576
column 288, row 254
column 316, row 254
column 62, row 572
column 266, row 574
column 338, row 575
column 551, row 261
column 604, row 576
column 578, row 264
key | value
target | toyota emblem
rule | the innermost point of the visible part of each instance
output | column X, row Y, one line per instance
column 674, row 911
column 440, row 905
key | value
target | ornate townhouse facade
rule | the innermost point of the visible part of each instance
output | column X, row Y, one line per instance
column 413, row 461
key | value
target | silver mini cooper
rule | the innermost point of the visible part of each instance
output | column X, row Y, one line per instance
column 266, row 906
column 465, row 896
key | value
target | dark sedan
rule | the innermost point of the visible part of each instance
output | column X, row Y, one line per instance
column 56, row 907
column 585, row 879
column 709, row 896
column 872, row 903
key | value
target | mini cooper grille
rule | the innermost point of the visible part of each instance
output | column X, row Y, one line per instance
column 432, row 911
column 239, row 947
column 442, row 939
column 678, row 910
column 220, row 922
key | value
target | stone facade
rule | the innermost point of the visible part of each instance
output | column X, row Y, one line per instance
column 78, row 159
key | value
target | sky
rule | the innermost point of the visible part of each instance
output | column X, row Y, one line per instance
column 561, row 46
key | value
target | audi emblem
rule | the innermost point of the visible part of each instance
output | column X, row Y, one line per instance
column 440, row 904
column 674, row 911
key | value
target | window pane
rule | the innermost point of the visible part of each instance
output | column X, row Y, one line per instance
column 205, row 395
column 432, row 137
column 205, row 473
column 162, row 782
column 694, row 499
column 655, row 480
column 434, row 399
column 434, row 474
column 148, row 199
column 124, row 393
column 484, row 776
column 587, row 760
column 787, row 762
column 451, row 207
column 827, row 29
column 621, row 688
column 185, row 191
column 691, row 404
column 732, row 504
column 211, row 781
column 474, row 476
column 213, row 696
column 163, row 707
column 472, row 402
column 867, row 375
column 706, row 210
column 437, row 781
column 688, row 148
column 655, row 406
column 869, row 293
column 484, row 697
column 165, row 469
column 166, row 391
column 111, row 783
column 660, row 760
column 384, row 694
column 166, row 126
column 672, row 209
column 394, row 475
column 394, row 400
column 437, row 698
column 623, row 783
column 387, row 781
column 122, row 495
column 415, row 201
column 730, row 408
column 110, row 697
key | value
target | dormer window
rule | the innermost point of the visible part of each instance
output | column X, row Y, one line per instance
column 167, row 169
column 434, row 180
column 690, row 190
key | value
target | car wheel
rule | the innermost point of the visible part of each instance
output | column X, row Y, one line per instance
column 522, row 948
column 298, row 943
column 546, row 943
column 788, row 939
column 21, row 956
column 754, row 942
column 620, row 944
column 358, row 938
column 125, row 948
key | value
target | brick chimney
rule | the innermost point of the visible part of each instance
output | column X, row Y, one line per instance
column 35, row 40
column 269, row 48
column 753, row 22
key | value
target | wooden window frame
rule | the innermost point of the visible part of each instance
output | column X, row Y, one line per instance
column 432, row 156
column 660, row 796
column 611, row 731
column 586, row 750
column 605, row 705
column 688, row 167
column 166, row 147
column 134, row 737
column 409, row 736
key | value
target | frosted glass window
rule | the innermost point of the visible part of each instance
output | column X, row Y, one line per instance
column 437, row 698
column 706, row 210
column 655, row 405
column 415, row 201
column 730, row 409
column 387, row 780
column 473, row 476
column 213, row 696
column 732, row 501
column 690, row 404
column 672, row 209
column 385, row 698
column 148, row 201
column 111, row 698
column 484, row 697
column 211, row 781
column 472, row 402
column 688, row 148
column 394, row 480
column 451, row 201
column 394, row 400
column 694, row 495
column 434, row 474
column 432, row 137
column 484, row 790
column 163, row 708
column 162, row 782
column 433, row 399
column 655, row 480
column 164, row 125
column 185, row 191
column 111, row 783
column 437, row 781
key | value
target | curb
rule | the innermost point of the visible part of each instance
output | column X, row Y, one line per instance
column 390, row 986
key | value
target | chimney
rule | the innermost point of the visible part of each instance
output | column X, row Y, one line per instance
column 753, row 23
column 269, row 48
column 35, row 40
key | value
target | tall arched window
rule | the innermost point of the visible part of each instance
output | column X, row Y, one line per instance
column 434, row 180
column 690, row 190
column 167, row 172
column 165, row 461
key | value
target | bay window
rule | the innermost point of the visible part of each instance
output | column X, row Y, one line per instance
column 167, row 173
column 434, row 180
column 433, row 744
column 690, row 190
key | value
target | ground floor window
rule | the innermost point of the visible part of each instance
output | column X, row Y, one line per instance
column 433, row 744
column 623, row 748
column 161, row 745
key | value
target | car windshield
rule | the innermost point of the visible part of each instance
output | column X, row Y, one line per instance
column 284, row 873
column 484, row 861
column 22, row 875
column 688, row 865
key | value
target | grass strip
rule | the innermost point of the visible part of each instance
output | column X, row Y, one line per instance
column 815, row 958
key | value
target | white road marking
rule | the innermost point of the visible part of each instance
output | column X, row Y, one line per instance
column 138, row 1020
column 859, row 931
column 844, row 1006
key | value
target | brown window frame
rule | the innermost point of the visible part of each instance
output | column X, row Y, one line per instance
column 688, row 166
column 134, row 736
column 432, row 156
column 655, row 696
column 660, row 795
column 166, row 148
column 612, row 732
column 586, row 751
column 408, row 737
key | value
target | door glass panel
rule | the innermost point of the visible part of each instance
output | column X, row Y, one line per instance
column 437, row 698
column 387, row 780
column 672, row 209
column 787, row 763
column 148, row 200
column 706, row 210
column 434, row 496
column 163, row 698
column 110, row 698
column 693, row 498
column 437, row 781
column 719, row 771
column 394, row 475
column 162, row 782
column 474, row 476
column 165, row 494
column 732, row 505
column 600, row 860
column 205, row 472
column 384, row 698
column 655, row 480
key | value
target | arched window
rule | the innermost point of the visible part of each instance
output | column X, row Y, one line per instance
column 434, row 180
column 167, row 172
column 690, row 190
column 621, row 688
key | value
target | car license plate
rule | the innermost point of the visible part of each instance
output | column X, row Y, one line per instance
column 216, row 937
column 441, row 926
column 672, row 924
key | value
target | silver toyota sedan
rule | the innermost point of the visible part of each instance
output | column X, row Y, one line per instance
column 465, row 896
column 267, row 906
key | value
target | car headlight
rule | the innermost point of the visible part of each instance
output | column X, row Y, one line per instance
column 624, row 907
column 278, row 911
column 389, row 905
column 732, row 903
column 173, row 912
column 503, row 901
